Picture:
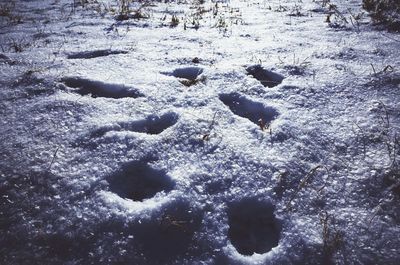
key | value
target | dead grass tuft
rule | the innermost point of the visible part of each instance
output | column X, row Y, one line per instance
column 385, row 12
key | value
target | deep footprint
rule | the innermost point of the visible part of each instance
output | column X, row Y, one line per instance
column 138, row 181
column 151, row 125
column 100, row 89
column 188, row 76
column 253, row 227
column 256, row 112
column 94, row 54
column 267, row 78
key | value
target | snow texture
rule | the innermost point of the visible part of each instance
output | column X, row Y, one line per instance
column 198, row 132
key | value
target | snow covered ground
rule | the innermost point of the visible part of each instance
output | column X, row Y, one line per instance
column 198, row 132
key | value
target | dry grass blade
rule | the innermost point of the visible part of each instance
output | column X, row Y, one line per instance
column 305, row 181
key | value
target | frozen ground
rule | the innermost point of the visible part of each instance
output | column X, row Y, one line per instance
column 238, row 132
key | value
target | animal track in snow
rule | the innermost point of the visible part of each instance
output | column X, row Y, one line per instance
column 100, row 89
column 256, row 112
column 253, row 227
column 94, row 54
column 138, row 181
column 267, row 78
column 153, row 124
column 188, row 76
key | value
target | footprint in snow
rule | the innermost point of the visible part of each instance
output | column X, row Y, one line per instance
column 253, row 227
column 256, row 112
column 152, row 124
column 139, row 181
column 188, row 76
column 266, row 77
column 94, row 54
column 96, row 89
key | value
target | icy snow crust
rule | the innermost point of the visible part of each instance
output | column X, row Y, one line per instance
column 279, row 148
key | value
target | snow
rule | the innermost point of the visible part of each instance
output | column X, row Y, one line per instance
column 142, row 142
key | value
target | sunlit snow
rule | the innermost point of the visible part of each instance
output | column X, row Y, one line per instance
column 198, row 132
